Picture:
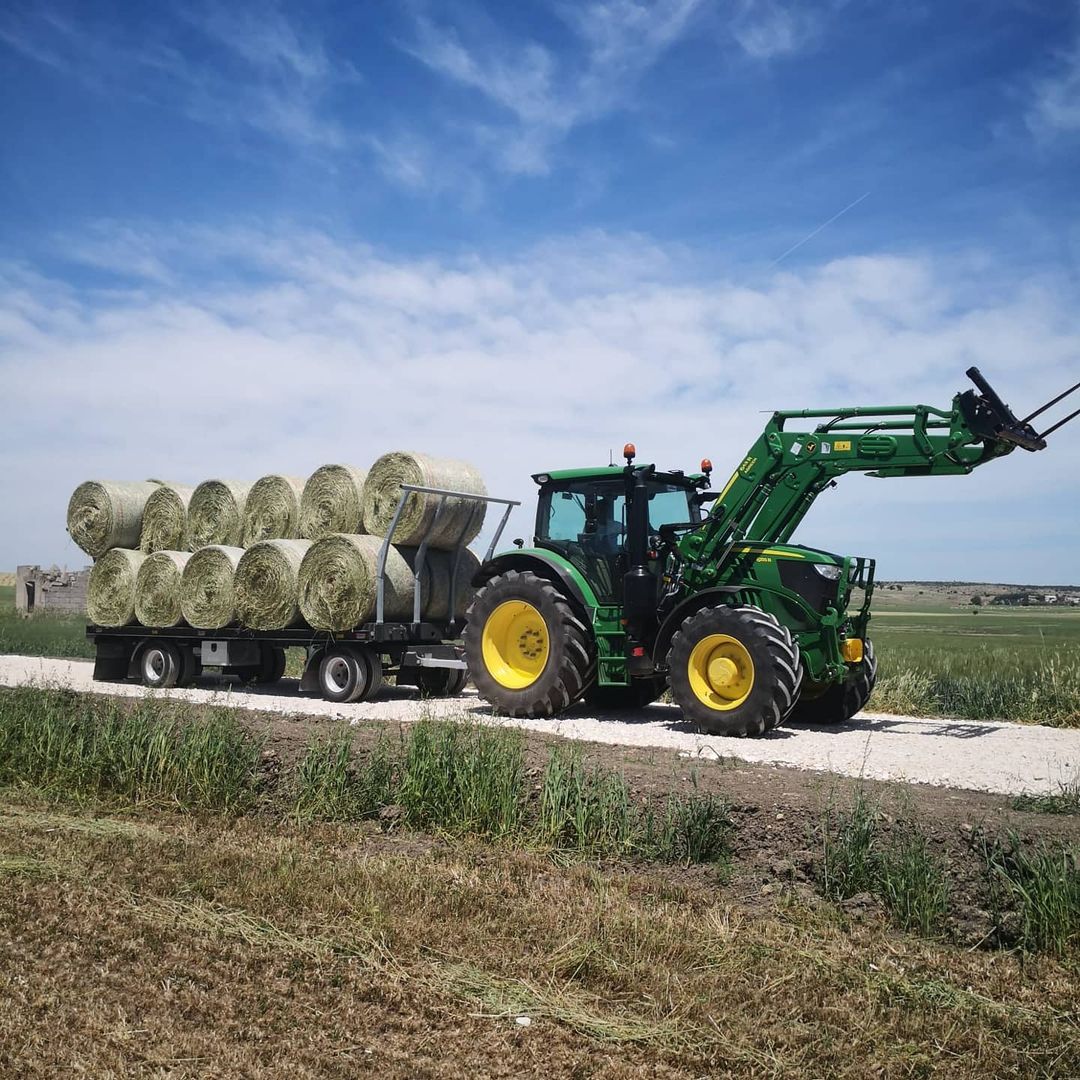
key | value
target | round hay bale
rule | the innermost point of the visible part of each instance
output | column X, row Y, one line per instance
column 272, row 510
column 216, row 513
column 157, row 588
column 438, row 567
column 461, row 520
column 104, row 514
column 207, row 594
column 164, row 520
column 110, row 590
column 337, row 582
column 266, row 584
column 332, row 502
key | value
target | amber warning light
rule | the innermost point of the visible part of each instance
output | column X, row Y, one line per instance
column 706, row 465
column 629, row 451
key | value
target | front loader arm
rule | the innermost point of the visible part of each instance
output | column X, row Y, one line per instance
column 777, row 482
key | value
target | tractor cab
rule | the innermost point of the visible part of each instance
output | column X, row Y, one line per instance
column 585, row 516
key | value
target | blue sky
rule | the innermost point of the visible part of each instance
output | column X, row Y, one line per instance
column 251, row 237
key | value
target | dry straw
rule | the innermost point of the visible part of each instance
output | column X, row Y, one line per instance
column 110, row 592
column 157, row 588
column 331, row 502
column 461, row 519
column 104, row 514
column 164, row 520
column 266, row 582
column 216, row 513
column 272, row 511
column 338, row 582
column 207, row 595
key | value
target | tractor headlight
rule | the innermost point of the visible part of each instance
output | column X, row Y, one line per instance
column 828, row 571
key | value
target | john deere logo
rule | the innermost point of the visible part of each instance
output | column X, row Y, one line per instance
column 811, row 446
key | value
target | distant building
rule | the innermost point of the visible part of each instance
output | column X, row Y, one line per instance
column 60, row 592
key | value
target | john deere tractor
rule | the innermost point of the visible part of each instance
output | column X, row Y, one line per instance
column 638, row 580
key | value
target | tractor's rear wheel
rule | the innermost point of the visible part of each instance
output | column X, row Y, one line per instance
column 734, row 671
column 528, row 652
column 637, row 695
column 839, row 703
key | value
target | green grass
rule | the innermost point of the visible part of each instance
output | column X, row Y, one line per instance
column 79, row 745
column 895, row 865
column 1017, row 665
column 1066, row 800
column 1034, row 894
column 40, row 635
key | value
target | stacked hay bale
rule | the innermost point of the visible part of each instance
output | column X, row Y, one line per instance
column 164, row 519
column 216, row 513
column 338, row 582
column 207, row 590
column 332, row 502
column 459, row 522
column 110, row 590
column 105, row 514
column 267, row 584
column 272, row 509
column 312, row 548
column 157, row 589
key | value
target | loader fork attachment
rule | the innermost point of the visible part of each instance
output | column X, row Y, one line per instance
column 988, row 416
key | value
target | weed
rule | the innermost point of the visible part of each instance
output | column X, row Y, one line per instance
column 695, row 829
column 1066, row 800
column 326, row 790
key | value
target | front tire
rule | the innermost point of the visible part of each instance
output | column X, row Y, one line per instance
column 528, row 653
column 842, row 701
column 734, row 671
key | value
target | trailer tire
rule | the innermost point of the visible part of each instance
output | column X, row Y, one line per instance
column 441, row 682
column 734, row 671
column 843, row 701
column 528, row 653
column 375, row 673
column 160, row 665
column 190, row 665
column 344, row 675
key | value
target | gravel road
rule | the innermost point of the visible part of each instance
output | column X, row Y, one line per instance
column 997, row 757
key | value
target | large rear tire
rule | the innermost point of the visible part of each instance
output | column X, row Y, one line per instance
column 734, row 671
column 528, row 652
column 841, row 702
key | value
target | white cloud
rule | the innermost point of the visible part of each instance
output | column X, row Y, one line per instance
column 766, row 29
column 247, row 351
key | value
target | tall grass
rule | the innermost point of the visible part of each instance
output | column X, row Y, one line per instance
column 88, row 746
column 897, row 866
column 1034, row 894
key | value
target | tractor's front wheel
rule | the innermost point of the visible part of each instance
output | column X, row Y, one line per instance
column 734, row 671
column 528, row 653
column 839, row 703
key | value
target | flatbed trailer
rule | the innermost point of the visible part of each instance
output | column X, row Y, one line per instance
column 344, row 666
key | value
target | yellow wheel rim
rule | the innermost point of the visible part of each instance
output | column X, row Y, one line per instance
column 721, row 672
column 515, row 644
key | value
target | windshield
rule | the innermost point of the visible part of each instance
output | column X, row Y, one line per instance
column 592, row 514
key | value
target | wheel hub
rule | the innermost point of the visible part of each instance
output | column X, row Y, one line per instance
column 515, row 644
column 721, row 672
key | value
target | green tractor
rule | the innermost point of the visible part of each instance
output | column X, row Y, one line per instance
column 640, row 580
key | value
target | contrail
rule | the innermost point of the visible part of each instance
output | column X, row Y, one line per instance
column 823, row 225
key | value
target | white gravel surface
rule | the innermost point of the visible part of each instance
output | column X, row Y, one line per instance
column 998, row 757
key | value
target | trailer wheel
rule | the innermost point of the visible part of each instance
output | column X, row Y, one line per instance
column 734, row 671
column 839, row 703
column 190, row 666
column 441, row 682
column 160, row 665
column 349, row 674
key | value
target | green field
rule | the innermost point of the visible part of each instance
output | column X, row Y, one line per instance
column 935, row 659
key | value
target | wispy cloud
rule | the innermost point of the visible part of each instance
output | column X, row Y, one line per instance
column 766, row 29
column 540, row 97
column 254, row 69
column 269, row 348
column 1055, row 109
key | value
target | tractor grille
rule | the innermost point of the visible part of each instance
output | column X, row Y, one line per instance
column 803, row 579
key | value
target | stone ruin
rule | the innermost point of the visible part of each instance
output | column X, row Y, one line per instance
column 59, row 592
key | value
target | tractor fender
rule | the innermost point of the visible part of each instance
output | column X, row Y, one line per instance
column 547, row 565
column 685, row 607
